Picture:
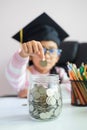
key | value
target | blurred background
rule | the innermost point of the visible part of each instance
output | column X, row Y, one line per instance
column 15, row 14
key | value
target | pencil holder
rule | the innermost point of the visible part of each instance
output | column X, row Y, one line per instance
column 79, row 93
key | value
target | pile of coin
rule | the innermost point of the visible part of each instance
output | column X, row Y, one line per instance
column 45, row 102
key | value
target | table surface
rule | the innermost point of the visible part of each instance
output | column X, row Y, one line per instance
column 14, row 115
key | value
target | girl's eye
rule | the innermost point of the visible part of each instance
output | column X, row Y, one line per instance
column 52, row 50
column 59, row 51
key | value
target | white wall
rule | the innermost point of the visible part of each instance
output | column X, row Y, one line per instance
column 15, row 14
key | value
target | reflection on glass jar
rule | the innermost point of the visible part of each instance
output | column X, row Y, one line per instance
column 45, row 100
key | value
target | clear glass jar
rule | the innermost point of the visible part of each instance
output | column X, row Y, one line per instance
column 45, row 100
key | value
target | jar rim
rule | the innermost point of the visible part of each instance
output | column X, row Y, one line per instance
column 45, row 77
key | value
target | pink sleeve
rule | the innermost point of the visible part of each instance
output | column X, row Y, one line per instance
column 64, row 78
column 16, row 71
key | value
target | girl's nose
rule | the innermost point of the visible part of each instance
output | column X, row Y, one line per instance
column 47, row 54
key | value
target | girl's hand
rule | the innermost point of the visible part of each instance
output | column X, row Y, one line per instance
column 23, row 93
column 32, row 48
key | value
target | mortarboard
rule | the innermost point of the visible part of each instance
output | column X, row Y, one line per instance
column 41, row 28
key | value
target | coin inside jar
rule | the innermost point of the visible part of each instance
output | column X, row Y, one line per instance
column 43, row 63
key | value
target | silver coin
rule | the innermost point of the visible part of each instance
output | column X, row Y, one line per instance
column 48, row 115
column 42, row 90
column 50, row 92
column 43, row 115
column 35, row 112
column 50, row 101
column 36, row 95
column 30, row 98
column 57, row 111
column 31, row 108
column 59, row 102
column 43, row 63
column 57, row 95
column 51, row 111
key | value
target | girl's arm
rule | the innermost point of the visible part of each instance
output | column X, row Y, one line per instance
column 16, row 73
column 65, row 81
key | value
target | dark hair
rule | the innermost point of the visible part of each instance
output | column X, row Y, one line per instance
column 53, row 71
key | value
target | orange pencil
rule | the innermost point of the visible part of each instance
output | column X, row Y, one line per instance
column 79, row 94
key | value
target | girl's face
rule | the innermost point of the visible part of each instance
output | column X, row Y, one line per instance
column 51, row 56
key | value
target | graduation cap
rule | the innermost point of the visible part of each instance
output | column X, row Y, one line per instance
column 41, row 28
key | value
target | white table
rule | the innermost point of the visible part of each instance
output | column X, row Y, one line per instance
column 15, row 116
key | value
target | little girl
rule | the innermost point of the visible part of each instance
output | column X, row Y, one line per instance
column 37, row 52
column 43, row 50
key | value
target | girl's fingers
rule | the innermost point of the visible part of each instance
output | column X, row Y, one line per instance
column 24, row 47
column 41, row 50
column 35, row 47
column 32, row 47
column 29, row 47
